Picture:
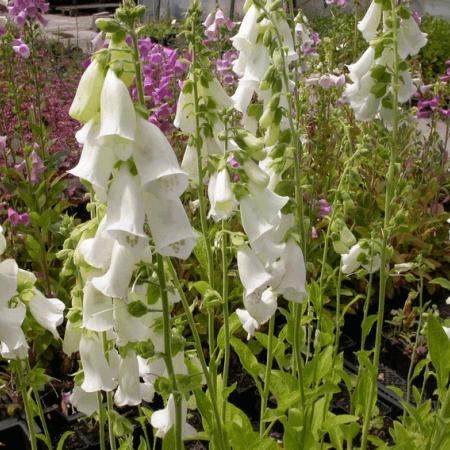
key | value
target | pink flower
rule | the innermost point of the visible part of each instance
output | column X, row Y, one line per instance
column 21, row 49
column 233, row 162
column 314, row 233
column 18, row 219
column 37, row 167
column 2, row 143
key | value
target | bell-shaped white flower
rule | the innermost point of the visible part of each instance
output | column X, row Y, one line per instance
column 85, row 402
column 98, row 374
column 21, row 352
column 410, row 39
column 407, row 88
column 292, row 283
column 248, row 32
column 261, row 304
column 244, row 94
column 156, row 162
column 8, row 280
column 169, row 226
column 86, row 103
column 370, row 22
column 97, row 251
column 252, row 273
column 125, row 215
column 249, row 324
column 117, row 114
column 164, row 419
column 128, row 327
column 354, row 259
column 2, row 241
column 11, row 333
column 189, row 164
column 114, row 283
column 96, row 161
column 221, row 196
column 358, row 69
column 255, row 173
column 71, row 340
column 48, row 312
column 129, row 390
column 97, row 309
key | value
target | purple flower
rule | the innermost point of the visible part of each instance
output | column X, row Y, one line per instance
column 314, row 233
column 324, row 208
column 21, row 49
column 423, row 114
column 21, row 167
column 233, row 162
column 445, row 78
column 31, row 10
column 445, row 112
column 18, row 219
column 37, row 167
column 417, row 17
column 315, row 36
column 236, row 178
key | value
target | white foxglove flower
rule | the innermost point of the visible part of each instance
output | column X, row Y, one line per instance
column 221, row 196
column 86, row 103
column 370, row 22
column 21, row 352
column 2, row 241
column 292, row 283
column 407, row 88
column 11, row 333
column 125, row 215
column 96, row 161
column 248, row 32
column 48, row 312
column 97, row 309
column 261, row 304
column 129, row 390
column 114, row 283
column 255, row 174
column 358, row 69
column 85, row 402
column 169, row 226
column 72, row 336
column 156, row 162
column 249, row 324
column 128, row 327
column 351, row 261
column 410, row 38
column 97, row 251
column 8, row 280
column 189, row 164
column 164, row 419
column 252, row 273
column 98, row 374
column 117, row 114
column 244, row 94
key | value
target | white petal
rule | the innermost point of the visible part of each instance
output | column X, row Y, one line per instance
column 410, row 38
column 2, row 241
column 169, row 226
column 11, row 320
column 190, row 164
column 71, row 341
column 87, row 98
column 85, row 402
column 48, row 312
column 363, row 65
column 97, row 309
column 164, row 419
column 349, row 261
column 248, row 31
column 244, row 94
column 221, row 196
column 129, row 391
column 118, row 117
column 125, row 215
column 252, row 274
column 249, row 324
column 261, row 304
column 156, row 162
column 369, row 24
column 128, row 327
column 98, row 375
column 8, row 280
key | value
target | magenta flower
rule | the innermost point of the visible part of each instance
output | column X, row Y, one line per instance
column 445, row 112
column 18, row 219
column 324, row 208
column 21, row 167
column 233, row 162
column 417, row 17
column 21, row 49
column 314, row 233
column 31, row 10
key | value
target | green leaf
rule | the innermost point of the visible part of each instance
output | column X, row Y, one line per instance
column 63, row 439
column 248, row 360
column 368, row 324
column 441, row 282
column 439, row 346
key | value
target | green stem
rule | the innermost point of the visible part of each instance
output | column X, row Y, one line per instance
column 202, row 203
column 168, row 351
column 144, row 428
column 226, row 314
column 390, row 193
column 101, row 421
column 37, row 399
column 200, row 354
column 110, row 406
column 26, row 403
column 269, row 362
